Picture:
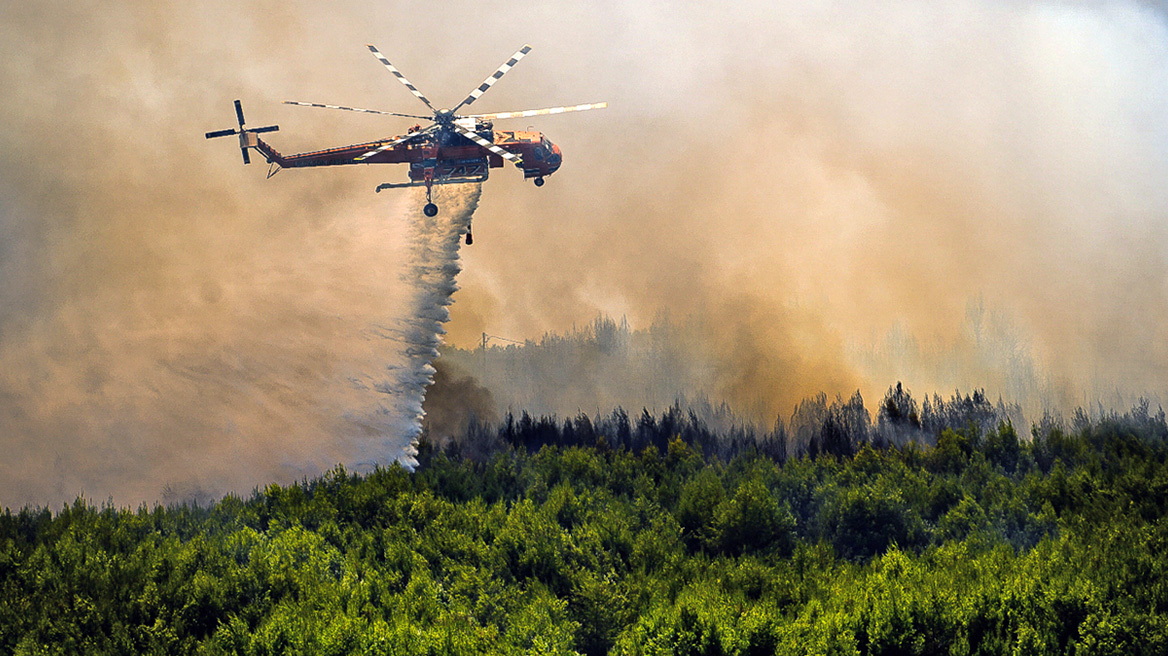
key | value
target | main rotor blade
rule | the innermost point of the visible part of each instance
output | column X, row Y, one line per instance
column 539, row 112
column 270, row 128
column 354, row 109
column 220, row 133
column 246, row 159
column 494, row 77
column 401, row 78
column 386, row 146
column 239, row 113
column 474, row 136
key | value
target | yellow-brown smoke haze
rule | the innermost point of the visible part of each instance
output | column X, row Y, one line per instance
column 800, row 177
column 809, row 177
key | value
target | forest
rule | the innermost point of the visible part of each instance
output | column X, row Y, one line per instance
column 934, row 528
column 607, row 363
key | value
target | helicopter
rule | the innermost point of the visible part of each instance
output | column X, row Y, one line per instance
column 452, row 149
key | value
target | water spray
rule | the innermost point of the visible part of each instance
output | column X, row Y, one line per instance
column 434, row 244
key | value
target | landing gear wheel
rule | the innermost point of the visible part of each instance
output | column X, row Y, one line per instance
column 539, row 182
column 430, row 209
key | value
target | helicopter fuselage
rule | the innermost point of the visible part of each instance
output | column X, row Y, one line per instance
column 447, row 152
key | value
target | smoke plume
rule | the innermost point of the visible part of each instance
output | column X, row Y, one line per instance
column 814, row 187
column 455, row 403
column 808, row 180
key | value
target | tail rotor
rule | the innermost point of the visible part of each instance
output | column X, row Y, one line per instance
column 247, row 138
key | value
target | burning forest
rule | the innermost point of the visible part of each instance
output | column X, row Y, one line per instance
column 843, row 329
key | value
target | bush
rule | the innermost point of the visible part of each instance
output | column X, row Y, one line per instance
column 861, row 522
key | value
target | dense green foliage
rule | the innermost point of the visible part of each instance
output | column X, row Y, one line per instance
column 561, row 539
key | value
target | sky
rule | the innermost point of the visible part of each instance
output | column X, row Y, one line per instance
column 815, row 184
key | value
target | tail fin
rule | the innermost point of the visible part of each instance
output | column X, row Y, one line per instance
column 271, row 154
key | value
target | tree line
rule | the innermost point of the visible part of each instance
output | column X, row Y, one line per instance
column 925, row 531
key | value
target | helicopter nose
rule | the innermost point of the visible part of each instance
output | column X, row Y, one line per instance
column 556, row 157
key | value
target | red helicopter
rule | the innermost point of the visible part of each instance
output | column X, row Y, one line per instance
column 453, row 149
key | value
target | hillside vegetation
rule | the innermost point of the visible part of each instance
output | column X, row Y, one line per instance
column 659, row 536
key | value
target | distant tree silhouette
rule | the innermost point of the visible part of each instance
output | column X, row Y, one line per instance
column 898, row 420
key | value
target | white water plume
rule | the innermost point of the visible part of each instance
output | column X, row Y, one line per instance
column 434, row 243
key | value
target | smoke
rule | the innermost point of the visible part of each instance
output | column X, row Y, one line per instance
column 169, row 322
column 805, row 179
column 455, row 402
column 796, row 180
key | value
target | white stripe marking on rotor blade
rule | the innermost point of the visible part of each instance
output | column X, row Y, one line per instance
column 366, row 155
column 473, row 136
column 348, row 109
column 384, row 147
column 401, row 78
column 374, row 152
column 494, row 77
column 541, row 112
